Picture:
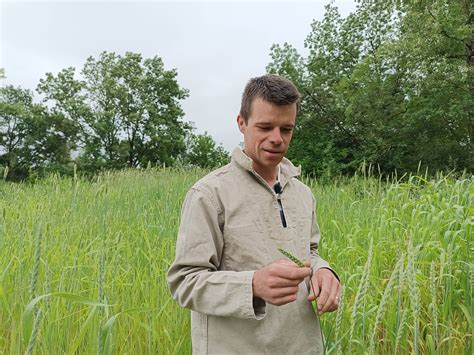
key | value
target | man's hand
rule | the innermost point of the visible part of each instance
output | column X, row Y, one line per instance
column 277, row 283
column 327, row 289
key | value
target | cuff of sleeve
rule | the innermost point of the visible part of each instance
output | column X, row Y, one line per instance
column 253, row 307
column 259, row 307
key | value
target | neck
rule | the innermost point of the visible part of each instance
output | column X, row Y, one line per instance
column 269, row 174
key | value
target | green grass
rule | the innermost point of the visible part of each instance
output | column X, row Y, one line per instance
column 101, row 249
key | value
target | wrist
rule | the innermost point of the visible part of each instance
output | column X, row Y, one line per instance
column 327, row 269
column 255, row 292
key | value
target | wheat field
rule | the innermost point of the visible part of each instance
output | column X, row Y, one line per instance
column 83, row 264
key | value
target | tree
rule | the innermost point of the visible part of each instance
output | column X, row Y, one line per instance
column 31, row 138
column 436, row 44
column 390, row 85
column 203, row 152
column 15, row 113
column 126, row 108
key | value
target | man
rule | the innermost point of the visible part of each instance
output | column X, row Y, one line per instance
column 244, row 295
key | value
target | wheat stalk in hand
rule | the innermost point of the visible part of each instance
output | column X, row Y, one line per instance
column 291, row 257
column 299, row 263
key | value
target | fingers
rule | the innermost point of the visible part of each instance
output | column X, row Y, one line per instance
column 329, row 290
column 326, row 284
column 282, row 296
column 286, row 291
column 331, row 302
column 287, row 274
column 298, row 273
column 280, row 301
column 277, row 283
column 289, row 270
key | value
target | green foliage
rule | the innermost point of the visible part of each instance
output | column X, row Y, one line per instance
column 126, row 108
column 16, row 107
column 122, row 111
column 392, row 85
column 203, row 152
column 32, row 139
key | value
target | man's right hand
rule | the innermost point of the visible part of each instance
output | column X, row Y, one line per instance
column 277, row 283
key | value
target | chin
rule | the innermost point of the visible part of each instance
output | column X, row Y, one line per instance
column 274, row 162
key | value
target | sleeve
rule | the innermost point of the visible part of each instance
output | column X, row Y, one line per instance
column 194, row 278
column 316, row 261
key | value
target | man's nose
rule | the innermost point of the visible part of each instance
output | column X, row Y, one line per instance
column 275, row 136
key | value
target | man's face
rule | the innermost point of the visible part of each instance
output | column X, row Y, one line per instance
column 267, row 133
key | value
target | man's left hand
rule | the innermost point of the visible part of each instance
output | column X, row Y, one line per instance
column 327, row 289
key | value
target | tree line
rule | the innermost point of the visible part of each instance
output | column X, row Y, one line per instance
column 123, row 111
column 391, row 85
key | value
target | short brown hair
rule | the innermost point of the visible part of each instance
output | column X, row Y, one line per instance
column 272, row 88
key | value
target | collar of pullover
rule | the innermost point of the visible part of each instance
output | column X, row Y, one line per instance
column 287, row 169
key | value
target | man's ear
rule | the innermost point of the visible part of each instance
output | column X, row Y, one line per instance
column 241, row 123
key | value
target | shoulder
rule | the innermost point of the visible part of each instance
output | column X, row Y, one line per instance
column 301, row 187
column 215, row 184
column 215, row 178
column 303, row 193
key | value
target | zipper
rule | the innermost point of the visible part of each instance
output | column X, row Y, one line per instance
column 276, row 195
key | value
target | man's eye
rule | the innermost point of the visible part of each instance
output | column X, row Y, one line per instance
column 287, row 130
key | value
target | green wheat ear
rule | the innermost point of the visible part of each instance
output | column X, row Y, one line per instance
column 291, row 257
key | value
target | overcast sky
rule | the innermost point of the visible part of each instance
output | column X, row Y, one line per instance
column 216, row 46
